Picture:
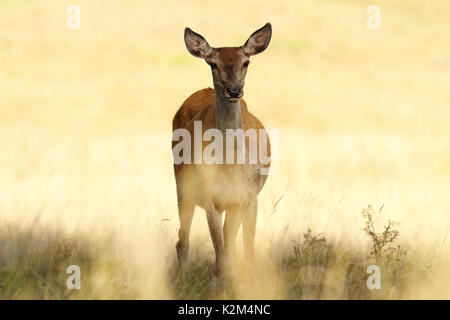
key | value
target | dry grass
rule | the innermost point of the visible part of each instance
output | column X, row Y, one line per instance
column 85, row 166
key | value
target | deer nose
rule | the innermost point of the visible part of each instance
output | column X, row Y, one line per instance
column 234, row 92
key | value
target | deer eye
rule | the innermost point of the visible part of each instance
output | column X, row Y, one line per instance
column 246, row 63
column 212, row 65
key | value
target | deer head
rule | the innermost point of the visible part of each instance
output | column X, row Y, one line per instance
column 228, row 64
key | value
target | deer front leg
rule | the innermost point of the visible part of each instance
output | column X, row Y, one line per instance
column 186, row 212
column 230, row 229
column 249, row 227
column 215, row 229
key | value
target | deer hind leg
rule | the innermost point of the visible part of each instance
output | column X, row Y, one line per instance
column 230, row 230
column 186, row 212
column 214, row 218
column 249, row 227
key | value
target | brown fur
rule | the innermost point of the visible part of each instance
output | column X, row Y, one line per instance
column 201, row 105
column 231, row 187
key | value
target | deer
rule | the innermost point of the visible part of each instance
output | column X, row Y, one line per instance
column 218, row 188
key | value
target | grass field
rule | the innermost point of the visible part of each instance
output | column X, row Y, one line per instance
column 86, row 168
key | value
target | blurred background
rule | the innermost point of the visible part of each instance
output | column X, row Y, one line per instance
column 85, row 139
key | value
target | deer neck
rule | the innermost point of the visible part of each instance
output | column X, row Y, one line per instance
column 228, row 114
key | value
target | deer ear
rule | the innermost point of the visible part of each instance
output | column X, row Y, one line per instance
column 196, row 44
column 258, row 41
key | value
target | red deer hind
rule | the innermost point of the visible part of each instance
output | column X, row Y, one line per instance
column 216, row 188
